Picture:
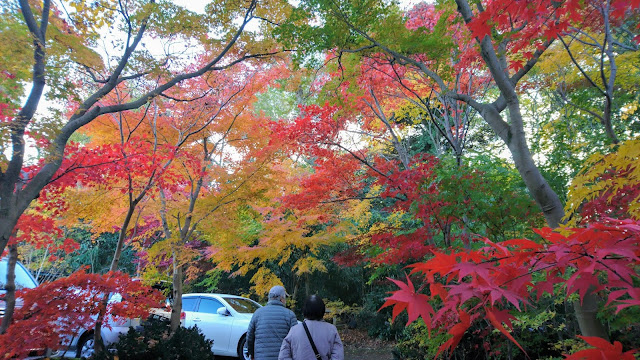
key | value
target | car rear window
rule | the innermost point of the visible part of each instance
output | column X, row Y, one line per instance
column 243, row 306
column 23, row 279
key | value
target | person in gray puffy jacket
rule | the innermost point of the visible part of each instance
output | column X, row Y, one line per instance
column 269, row 325
column 297, row 346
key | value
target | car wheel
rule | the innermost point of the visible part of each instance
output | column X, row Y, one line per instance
column 86, row 346
column 242, row 348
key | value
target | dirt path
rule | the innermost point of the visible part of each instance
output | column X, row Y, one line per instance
column 367, row 354
column 359, row 346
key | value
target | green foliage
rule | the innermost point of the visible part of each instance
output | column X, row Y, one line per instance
column 417, row 344
column 338, row 312
column 96, row 253
column 209, row 282
column 275, row 103
column 541, row 333
column 317, row 25
column 378, row 321
column 489, row 192
column 156, row 342
column 13, row 56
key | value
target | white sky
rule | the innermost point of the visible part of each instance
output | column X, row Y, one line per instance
column 198, row 5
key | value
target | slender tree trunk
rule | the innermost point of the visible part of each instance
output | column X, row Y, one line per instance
column 97, row 333
column 549, row 203
column 553, row 211
column 10, row 287
column 547, row 200
column 176, row 309
column 307, row 285
column 513, row 135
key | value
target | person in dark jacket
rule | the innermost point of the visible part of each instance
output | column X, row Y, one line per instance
column 269, row 325
column 297, row 345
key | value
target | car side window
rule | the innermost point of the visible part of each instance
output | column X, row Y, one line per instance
column 209, row 306
column 189, row 304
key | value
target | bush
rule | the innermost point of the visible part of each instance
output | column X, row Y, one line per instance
column 155, row 342
column 369, row 316
column 540, row 333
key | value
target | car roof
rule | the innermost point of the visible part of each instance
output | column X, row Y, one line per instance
column 214, row 295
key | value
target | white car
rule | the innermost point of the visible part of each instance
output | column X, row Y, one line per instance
column 221, row 318
column 82, row 345
column 23, row 280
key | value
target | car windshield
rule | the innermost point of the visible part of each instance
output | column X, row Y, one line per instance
column 241, row 305
column 23, row 279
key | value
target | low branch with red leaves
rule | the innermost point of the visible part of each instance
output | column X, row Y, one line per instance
column 55, row 311
column 490, row 282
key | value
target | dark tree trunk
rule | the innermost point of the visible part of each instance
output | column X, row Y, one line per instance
column 176, row 309
column 10, row 288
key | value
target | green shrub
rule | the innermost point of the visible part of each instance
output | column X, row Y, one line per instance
column 378, row 321
column 155, row 342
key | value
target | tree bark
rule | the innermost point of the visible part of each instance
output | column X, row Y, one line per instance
column 586, row 313
column 97, row 333
column 513, row 135
column 10, row 288
column 176, row 309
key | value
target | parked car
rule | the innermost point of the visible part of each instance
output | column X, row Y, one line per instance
column 23, row 280
column 222, row 318
column 82, row 345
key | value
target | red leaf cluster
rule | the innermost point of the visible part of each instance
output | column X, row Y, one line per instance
column 603, row 350
column 55, row 311
column 603, row 257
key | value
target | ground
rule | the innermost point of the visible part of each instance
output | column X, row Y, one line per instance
column 359, row 346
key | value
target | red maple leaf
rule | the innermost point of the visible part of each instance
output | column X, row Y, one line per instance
column 603, row 350
column 479, row 25
column 457, row 331
column 416, row 304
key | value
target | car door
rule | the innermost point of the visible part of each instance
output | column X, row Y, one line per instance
column 189, row 305
column 214, row 326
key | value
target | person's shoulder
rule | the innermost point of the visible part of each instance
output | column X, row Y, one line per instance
column 260, row 310
column 290, row 312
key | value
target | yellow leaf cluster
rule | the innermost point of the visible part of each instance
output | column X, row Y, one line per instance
column 591, row 182
column 629, row 110
column 309, row 264
column 263, row 280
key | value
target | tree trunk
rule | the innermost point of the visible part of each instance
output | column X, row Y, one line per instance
column 97, row 333
column 547, row 200
column 586, row 313
column 10, row 287
column 176, row 309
